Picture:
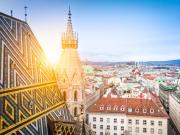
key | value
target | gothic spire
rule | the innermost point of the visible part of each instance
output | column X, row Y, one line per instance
column 69, row 38
column 69, row 31
column 69, row 14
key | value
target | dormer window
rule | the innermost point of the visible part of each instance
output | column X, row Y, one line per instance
column 151, row 110
column 115, row 108
column 137, row 110
column 144, row 110
column 122, row 108
column 109, row 107
column 129, row 109
column 101, row 107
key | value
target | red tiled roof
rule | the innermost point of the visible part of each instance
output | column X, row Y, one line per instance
column 101, row 106
column 149, row 77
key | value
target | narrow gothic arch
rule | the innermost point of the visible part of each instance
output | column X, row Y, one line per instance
column 64, row 95
column 75, row 111
column 75, row 95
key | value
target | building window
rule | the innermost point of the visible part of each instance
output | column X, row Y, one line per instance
column 122, row 128
column 115, row 127
column 137, row 110
column 94, row 119
column 108, row 127
column 122, row 108
column 108, row 120
column 159, row 131
column 94, row 126
column 115, row 120
column 75, row 96
column 144, row 122
column 130, row 129
column 122, row 121
column 152, row 123
column 144, row 130
column 101, row 126
column 101, row 119
column 152, row 131
column 129, row 109
column 101, row 107
column 81, row 108
column 137, row 129
column 108, row 107
column 64, row 80
column 115, row 133
column 64, row 95
column 160, row 123
column 116, row 108
column 129, row 121
column 151, row 110
column 137, row 122
column 75, row 111
column 101, row 133
column 144, row 110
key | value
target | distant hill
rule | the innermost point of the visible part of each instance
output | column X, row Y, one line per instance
column 169, row 62
column 156, row 63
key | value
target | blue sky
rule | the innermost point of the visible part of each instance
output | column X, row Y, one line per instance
column 109, row 30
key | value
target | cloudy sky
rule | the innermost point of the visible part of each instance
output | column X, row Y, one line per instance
column 109, row 30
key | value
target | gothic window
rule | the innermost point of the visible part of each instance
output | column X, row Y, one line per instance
column 75, row 96
column 64, row 95
column 75, row 111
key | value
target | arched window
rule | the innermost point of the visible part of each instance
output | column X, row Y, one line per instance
column 144, row 110
column 122, row 108
column 108, row 107
column 64, row 80
column 75, row 95
column 75, row 111
column 102, row 107
column 64, row 95
column 115, row 107
column 137, row 109
column 151, row 110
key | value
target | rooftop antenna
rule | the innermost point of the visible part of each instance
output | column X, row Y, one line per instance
column 11, row 13
column 25, row 10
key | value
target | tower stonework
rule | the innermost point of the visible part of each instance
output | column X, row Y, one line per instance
column 69, row 72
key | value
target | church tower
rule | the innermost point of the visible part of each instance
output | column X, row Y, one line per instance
column 70, row 74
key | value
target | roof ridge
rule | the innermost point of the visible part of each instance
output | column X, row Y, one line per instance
column 12, row 17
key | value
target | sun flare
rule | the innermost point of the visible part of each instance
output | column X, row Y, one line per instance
column 52, row 58
column 52, row 55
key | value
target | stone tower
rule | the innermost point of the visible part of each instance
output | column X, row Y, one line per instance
column 69, row 72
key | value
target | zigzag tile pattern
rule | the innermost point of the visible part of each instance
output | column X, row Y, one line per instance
column 23, row 62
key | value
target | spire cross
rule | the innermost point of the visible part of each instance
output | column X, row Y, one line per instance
column 25, row 10
column 69, row 14
column 11, row 12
